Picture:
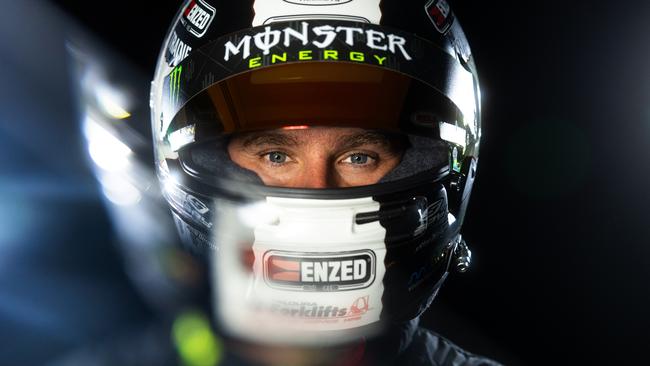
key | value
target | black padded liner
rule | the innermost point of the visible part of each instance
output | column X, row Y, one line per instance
column 422, row 154
column 212, row 158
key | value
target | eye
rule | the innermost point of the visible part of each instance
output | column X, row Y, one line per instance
column 357, row 159
column 277, row 157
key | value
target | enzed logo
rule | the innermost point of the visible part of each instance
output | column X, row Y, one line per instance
column 440, row 14
column 197, row 17
column 175, row 84
column 315, row 272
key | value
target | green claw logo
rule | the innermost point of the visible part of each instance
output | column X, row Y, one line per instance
column 175, row 84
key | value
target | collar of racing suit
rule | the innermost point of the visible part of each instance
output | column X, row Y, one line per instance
column 387, row 348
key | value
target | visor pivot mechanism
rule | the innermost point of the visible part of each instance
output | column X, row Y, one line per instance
column 462, row 256
column 456, row 183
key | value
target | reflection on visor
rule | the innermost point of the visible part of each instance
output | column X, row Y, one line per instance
column 314, row 94
column 297, row 96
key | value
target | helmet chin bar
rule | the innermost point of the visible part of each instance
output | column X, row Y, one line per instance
column 298, row 271
column 320, row 271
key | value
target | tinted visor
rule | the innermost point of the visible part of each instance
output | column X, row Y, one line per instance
column 312, row 94
column 326, row 94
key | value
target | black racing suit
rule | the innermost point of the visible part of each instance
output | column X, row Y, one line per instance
column 407, row 344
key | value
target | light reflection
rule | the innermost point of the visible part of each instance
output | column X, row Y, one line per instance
column 106, row 150
column 119, row 190
column 111, row 102
column 258, row 213
column 171, row 182
column 453, row 134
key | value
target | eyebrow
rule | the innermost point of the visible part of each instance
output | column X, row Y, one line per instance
column 268, row 138
column 366, row 137
column 387, row 141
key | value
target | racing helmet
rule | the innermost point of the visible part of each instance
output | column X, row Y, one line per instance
column 310, row 265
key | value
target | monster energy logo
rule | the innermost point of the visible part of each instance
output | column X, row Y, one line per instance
column 322, row 37
column 175, row 84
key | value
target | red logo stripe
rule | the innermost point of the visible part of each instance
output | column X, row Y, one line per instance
column 191, row 5
column 284, row 270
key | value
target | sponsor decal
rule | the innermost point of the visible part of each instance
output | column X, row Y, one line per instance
column 424, row 273
column 454, row 158
column 310, row 310
column 360, row 305
column 424, row 118
column 208, row 80
column 196, row 207
column 323, row 42
column 175, row 84
column 418, row 276
column 317, row 2
column 316, row 41
column 191, row 206
column 177, row 50
column 182, row 137
column 272, row 11
column 436, row 267
column 437, row 212
column 423, row 215
column 316, row 272
column 440, row 14
column 197, row 17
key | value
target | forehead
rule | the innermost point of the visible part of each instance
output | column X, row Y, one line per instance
column 300, row 135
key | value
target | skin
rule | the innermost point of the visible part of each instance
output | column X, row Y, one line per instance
column 316, row 157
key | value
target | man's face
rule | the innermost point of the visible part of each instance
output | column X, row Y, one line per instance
column 316, row 157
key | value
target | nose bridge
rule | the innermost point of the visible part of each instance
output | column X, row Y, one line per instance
column 319, row 173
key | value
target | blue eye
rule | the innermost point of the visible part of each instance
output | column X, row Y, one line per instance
column 358, row 159
column 277, row 157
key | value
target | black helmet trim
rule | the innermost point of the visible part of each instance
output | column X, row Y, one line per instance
column 317, row 41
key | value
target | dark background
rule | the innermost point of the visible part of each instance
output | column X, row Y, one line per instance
column 558, row 223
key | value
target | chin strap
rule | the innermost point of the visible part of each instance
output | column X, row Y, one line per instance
column 462, row 255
